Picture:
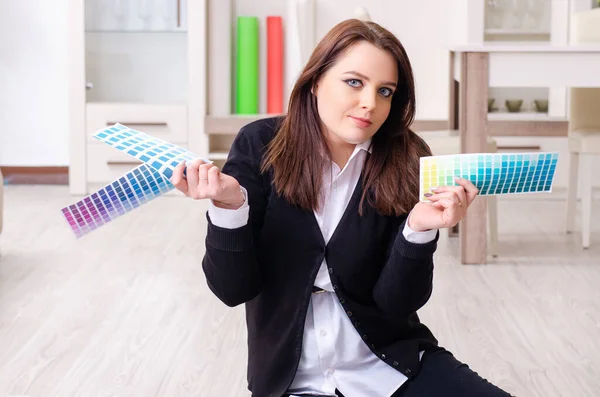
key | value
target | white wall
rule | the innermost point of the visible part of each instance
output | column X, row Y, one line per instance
column 33, row 83
column 423, row 27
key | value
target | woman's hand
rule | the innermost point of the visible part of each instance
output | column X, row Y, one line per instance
column 448, row 206
column 205, row 181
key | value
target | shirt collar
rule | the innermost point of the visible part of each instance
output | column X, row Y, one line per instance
column 366, row 145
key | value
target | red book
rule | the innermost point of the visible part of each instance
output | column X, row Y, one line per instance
column 274, row 65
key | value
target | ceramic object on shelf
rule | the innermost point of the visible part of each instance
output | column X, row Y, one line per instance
column 513, row 105
column 490, row 104
column 540, row 105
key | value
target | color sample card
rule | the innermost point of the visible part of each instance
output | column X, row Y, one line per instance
column 158, row 154
column 491, row 173
column 137, row 187
column 116, row 199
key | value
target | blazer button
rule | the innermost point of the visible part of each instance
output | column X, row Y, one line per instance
column 330, row 270
column 408, row 371
column 383, row 356
column 342, row 301
column 395, row 363
column 349, row 313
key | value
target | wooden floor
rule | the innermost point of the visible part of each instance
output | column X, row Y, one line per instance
column 126, row 312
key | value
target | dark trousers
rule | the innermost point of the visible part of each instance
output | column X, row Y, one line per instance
column 442, row 375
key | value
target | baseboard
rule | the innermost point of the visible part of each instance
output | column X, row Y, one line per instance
column 35, row 175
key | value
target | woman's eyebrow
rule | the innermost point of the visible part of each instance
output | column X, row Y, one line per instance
column 362, row 76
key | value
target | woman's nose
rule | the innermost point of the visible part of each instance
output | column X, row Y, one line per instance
column 368, row 99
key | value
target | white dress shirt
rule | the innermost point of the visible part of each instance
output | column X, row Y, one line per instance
column 334, row 356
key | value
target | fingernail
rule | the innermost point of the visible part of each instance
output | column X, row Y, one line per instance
column 433, row 189
column 457, row 178
column 428, row 194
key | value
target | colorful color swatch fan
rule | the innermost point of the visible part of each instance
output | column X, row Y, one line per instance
column 491, row 173
column 149, row 180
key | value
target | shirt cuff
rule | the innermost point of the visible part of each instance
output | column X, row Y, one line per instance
column 418, row 237
column 228, row 218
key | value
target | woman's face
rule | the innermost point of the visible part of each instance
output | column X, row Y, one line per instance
column 354, row 96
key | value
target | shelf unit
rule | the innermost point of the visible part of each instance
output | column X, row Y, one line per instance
column 159, row 74
column 221, row 131
column 525, row 20
column 523, row 116
column 528, row 21
column 221, row 124
column 142, row 64
column 507, row 22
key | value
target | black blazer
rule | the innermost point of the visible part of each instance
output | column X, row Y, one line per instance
column 270, row 264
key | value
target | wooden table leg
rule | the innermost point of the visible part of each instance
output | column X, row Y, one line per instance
column 473, row 128
column 452, row 114
column 1, row 199
column 452, row 88
column 453, row 231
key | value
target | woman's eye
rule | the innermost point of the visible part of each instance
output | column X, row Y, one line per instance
column 386, row 92
column 353, row 82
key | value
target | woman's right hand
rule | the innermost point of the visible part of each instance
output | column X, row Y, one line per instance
column 205, row 181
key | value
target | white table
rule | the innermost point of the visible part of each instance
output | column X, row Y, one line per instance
column 478, row 67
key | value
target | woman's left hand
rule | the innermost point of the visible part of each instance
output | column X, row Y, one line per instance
column 448, row 206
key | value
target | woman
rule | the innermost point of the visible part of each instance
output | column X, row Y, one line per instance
column 315, row 224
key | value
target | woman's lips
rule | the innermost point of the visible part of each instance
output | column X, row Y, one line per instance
column 363, row 123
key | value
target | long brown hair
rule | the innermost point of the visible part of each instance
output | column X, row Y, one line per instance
column 391, row 172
